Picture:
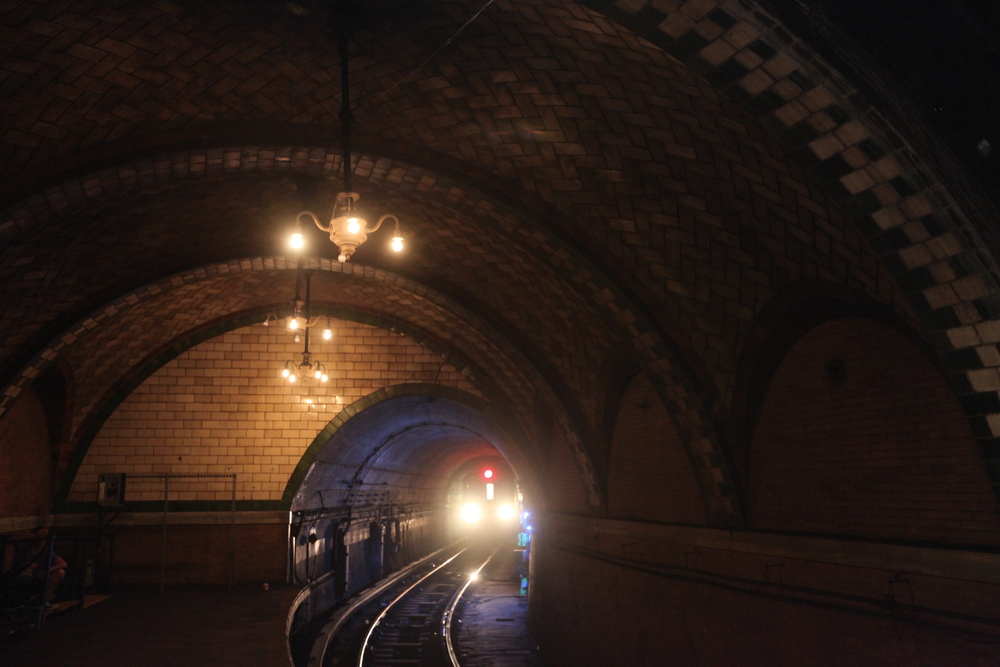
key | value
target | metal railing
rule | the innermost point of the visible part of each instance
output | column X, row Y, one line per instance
column 166, row 477
column 38, row 592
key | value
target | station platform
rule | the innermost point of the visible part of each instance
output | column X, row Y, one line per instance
column 215, row 627
column 195, row 627
column 493, row 619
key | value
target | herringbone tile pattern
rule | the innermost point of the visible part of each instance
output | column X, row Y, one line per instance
column 573, row 182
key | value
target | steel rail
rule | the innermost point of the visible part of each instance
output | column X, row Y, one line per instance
column 449, row 613
column 341, row 616
column 400, row 597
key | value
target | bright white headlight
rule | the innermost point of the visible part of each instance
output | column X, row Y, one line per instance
column 471, row 512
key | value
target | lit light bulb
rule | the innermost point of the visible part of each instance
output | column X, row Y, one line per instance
column 285, row 373
column 318, row 374
column 296, row 338
column 341, row 258
column 291, row 378
column 296, row 241
column 397, row 243
column 352, row 225
column 324, row 378
column 327, row 334
column 293, row 323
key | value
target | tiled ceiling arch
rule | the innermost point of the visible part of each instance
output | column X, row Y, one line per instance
column 495, row 227
column 115, row 349
column 667, row 138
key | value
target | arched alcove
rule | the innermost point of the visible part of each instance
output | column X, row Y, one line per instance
column 651, row 476
column 860, row 435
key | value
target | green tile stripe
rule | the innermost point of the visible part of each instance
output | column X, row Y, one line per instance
column 156, row 506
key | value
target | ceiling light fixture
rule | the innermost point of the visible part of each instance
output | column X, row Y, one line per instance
column 347, row 229
column 297, row 322
column 299, row 372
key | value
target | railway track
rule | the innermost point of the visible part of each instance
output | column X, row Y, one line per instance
column 409, row 622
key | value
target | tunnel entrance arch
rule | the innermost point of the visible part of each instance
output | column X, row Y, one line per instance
column 377, row 481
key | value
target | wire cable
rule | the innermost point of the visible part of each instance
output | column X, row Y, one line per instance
column 427, row 60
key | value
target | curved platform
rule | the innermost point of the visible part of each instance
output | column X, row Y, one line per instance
column 493, row 618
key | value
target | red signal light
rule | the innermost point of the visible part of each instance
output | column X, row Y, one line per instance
column 487, row 474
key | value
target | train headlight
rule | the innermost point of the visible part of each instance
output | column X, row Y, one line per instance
column 471, row 512
column 506, row 512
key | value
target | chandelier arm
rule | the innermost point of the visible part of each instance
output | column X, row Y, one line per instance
column 312, row 216
column 385, row 217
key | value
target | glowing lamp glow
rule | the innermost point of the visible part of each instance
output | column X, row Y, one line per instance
column 470, row 512
column 347, row 229
column 487, row 474
column 296, row 242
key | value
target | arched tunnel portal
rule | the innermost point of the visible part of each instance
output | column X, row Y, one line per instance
column 384, row 477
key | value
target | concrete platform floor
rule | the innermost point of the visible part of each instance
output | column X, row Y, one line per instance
column 214, row 627
column 493, row 627
column 195, row 627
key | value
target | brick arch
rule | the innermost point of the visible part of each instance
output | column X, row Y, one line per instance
column 155, row 360
column 127, row 383
column 505, row 424
column 174, row 348
column 903, row 192
column 686, row 388
column 616, row 378
column 860, row 436
column 787, row 317
column 900, row 205
column 136, row 298
column 55, row 388
column 746, row 53
column 650, row 473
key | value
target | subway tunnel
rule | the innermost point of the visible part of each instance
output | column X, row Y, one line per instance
column 708, row 278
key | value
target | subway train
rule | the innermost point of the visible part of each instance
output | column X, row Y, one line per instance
column 487, row 502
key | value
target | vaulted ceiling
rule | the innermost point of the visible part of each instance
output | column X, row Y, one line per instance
column 581, row 185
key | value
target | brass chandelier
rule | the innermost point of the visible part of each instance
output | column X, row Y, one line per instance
column 300, row 323
column 347, row 228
